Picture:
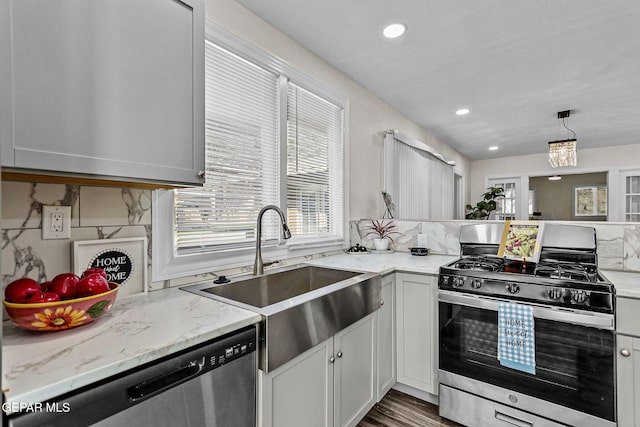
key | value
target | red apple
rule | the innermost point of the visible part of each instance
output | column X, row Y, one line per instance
column 65, row 285
column 92, row 284
column 45, row 286
column 92, row 270
column 50, row 297
column 43, row 297
column 19, row 291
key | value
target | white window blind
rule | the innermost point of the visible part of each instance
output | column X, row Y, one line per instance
column 420, row 184
column 246, row 168
column 241, row 158
column 315, row 166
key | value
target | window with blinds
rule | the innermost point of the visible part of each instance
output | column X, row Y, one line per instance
column 420, row 184
column 315, row 196
column 246, row 168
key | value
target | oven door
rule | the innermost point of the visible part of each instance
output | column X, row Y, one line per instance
column 574, row 352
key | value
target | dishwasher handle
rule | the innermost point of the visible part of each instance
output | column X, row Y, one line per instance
column 158, row 384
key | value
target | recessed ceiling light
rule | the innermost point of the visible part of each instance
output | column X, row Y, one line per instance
column 462, row 111
column 493, row 148
column 555, row 178
column 394, row 30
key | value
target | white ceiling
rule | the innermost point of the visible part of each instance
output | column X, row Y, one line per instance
column 514, row 63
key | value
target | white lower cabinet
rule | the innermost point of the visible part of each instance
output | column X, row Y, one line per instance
column 332, row 384
column 628, row 380
column 417, row 331
column 386, row 336
column 628, row 361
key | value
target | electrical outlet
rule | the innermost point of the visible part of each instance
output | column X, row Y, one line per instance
column 56, row 222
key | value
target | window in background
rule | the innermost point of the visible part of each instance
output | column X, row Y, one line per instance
column 632, row 198
column 532, row 201
column 507, row 206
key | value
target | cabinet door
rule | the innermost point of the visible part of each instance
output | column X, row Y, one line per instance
column 386, row 337
column 354, row 372
column 107, row 87
column 628, row 379
column 417, row 331
column 299, row 393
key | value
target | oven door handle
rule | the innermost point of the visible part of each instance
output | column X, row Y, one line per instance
column 560, row 314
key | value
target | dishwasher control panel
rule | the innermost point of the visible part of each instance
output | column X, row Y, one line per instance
column 230, row 352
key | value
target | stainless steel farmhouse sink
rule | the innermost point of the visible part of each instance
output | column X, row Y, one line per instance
column 300, row 306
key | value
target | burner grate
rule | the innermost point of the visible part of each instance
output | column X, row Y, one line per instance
column 571, row 271
column 479, row 263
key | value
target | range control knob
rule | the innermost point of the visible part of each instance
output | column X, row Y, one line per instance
column 458, row 282
column 554, row 294
column 476, row 283
column 513, row 288
column 579, row 297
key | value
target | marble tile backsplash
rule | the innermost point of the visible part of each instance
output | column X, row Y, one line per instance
column 96, row 213
column 618, row 243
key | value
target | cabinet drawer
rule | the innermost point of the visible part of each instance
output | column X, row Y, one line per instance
column 628, row 316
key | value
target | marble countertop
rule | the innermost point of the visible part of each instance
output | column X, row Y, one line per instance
column 40, row 365
column 387, row 263
column 626, row 283
column 139, row 329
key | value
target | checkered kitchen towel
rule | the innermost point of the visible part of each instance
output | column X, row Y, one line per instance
column 516, row 341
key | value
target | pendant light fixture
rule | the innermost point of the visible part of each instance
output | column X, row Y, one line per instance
column 562, row 152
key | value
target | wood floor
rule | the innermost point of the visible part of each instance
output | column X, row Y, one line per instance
column 397, row 409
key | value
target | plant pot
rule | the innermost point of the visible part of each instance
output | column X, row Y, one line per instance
column 381, row 244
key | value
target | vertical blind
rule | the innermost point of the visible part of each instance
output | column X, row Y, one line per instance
column 241, row 176
column 420, row 184
column 244, row 168
column 315, row 176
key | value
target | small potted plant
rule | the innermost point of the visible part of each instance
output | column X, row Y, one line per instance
column 383, row 230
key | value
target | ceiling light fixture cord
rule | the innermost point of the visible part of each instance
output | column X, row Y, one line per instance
column 564, row 123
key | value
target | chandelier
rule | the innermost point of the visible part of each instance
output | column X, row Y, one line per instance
column 562, row 153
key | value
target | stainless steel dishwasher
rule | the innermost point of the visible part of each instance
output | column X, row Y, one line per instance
column 213, row 384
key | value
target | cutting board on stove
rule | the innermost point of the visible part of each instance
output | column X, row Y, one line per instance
column 521, row 240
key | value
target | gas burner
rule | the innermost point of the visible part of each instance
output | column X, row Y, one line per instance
column 571, row 271
column 479, row 263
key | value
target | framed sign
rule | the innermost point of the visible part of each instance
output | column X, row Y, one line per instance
column 124, row 260
column 590, row 200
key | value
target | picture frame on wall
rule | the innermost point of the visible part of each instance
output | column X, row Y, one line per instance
column 124, row 260
column 590, row 200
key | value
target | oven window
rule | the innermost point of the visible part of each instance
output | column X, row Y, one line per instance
column 574, row 364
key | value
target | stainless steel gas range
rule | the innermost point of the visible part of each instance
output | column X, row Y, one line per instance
column 567, row 376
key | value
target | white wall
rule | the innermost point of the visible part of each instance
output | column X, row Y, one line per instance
column 369, row 115
column 610, row 159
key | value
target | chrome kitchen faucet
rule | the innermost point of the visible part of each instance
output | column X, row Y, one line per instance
column 258, row 265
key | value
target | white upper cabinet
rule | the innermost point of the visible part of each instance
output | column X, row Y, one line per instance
column 104, row 87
